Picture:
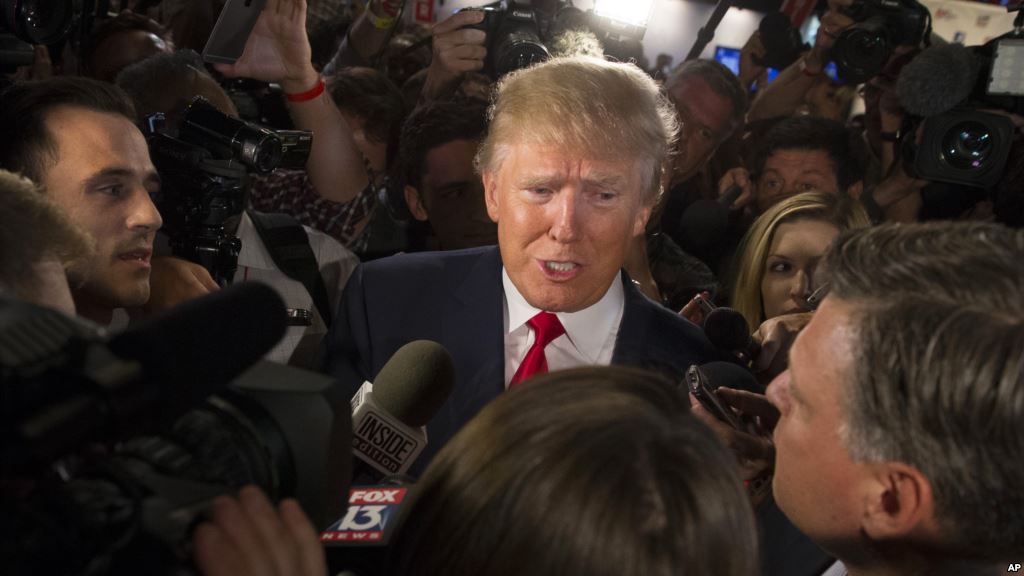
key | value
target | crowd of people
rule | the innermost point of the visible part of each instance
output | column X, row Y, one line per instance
column 565, row 232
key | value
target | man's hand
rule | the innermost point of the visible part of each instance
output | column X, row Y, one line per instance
column 693, row 311
column 457, row 50
column 278, row 49
column 738, row 176
column 40, row 69
column 753, row 447
column 833, row 22
column 248, row 536
column 776, row 336
column 173, row 281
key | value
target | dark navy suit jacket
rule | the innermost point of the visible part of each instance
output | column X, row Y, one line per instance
column 455, row 298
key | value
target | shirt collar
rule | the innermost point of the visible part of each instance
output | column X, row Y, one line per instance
column 587, row 329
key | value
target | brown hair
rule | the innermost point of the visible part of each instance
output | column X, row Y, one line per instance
column 598, row 471
column 940, row 379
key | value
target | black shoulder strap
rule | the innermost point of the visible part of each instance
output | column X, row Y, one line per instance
column 289, row 248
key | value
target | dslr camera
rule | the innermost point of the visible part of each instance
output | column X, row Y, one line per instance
column 513, row 37
column 862, row 50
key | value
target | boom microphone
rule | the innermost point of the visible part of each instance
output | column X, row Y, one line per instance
column 937, row 79
column 206, row 342
column 389, row 415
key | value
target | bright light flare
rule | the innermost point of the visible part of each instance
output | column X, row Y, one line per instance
column 634, row 12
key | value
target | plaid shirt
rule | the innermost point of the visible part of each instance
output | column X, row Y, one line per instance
column 291, row 192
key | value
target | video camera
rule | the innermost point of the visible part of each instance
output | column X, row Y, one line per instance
column 112, row 451
column 862, row 50
column 204, row 163
column 24, row 23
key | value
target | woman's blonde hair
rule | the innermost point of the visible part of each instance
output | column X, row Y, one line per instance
column 752, row 255
column 586, row 105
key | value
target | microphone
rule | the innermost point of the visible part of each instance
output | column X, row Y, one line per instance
column 729, row 375
column 704, row 222
column 727, row 329
column 67, row 386
column 193, row 350
column 782, row 42
column 937, row 79
column 389, row 415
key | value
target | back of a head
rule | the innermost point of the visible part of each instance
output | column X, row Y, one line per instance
column 942, row 308
column 33, row 231
column 168, row 82
column 598, row 471
column 844, row 148
column 752, row 254
column 26, row 146
column 585, row 105
column 369, row 95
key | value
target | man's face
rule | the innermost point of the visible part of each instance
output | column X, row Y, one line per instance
column 565, row 223
column 103, row 179
column 790, row 172
column 453, row 197
column 816, row 483
column 706, row 120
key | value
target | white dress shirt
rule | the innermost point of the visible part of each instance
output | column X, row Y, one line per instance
column 589, row 337
column 300, row 343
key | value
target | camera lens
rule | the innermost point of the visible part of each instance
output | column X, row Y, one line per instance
column 42, row 21
column 967, row 145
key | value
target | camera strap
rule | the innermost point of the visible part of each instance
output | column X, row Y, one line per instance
column 289, row 248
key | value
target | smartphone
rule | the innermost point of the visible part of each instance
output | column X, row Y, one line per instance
column 698, row 385
column 231, row 32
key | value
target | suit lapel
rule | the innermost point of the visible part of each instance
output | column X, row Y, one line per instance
column 473, row 326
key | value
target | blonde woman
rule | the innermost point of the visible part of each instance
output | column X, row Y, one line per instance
column 776, row 260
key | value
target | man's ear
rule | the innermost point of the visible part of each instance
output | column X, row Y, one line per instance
column 855, row 190
column 415, row 204
column 899, row 503
column 491, row 194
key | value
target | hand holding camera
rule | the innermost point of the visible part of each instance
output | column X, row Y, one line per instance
column 458, row 48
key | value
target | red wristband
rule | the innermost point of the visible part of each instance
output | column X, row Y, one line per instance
column 308, row 94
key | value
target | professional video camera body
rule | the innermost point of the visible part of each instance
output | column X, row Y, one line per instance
column 205, row 162
column 958, row 131
column 862, row 50
column 111, row 454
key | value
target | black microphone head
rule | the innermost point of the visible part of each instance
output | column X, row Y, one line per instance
column 415, row 382
column 703, row 224
column 782, row 42
column 730, row 375
column 727, row 329
column 937, row 79
column 194, row 349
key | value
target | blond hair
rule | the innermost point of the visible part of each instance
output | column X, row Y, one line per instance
column 601, row 110
column 752, row 255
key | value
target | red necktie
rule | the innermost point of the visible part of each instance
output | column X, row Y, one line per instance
column 546, row 328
